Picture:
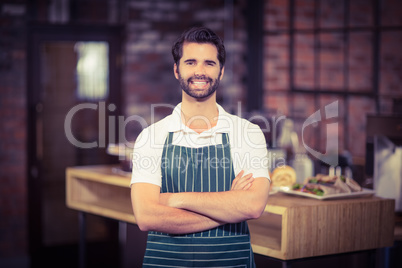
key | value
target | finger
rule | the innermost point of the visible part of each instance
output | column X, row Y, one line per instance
column 244, row 181
column 240, row 175
column 237, row 178
column 247, row 186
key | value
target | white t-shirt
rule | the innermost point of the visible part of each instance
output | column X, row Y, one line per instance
column 247, row 144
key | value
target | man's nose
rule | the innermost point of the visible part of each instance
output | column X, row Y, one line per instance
column 200, row 69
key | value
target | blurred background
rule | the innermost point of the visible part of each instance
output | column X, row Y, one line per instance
column 79, row 70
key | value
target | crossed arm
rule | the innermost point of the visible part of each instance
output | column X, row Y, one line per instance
column 188, row 212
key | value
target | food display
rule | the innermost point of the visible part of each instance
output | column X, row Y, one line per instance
column 283, row 176
column 323, row 185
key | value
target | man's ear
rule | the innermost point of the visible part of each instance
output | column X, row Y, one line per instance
column 222, row 72
column 175, row 70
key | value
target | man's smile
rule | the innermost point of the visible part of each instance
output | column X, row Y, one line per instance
column 199, row 84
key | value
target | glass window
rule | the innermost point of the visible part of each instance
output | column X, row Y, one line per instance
column 92, row 70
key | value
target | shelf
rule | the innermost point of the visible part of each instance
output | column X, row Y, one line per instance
column 99, row 191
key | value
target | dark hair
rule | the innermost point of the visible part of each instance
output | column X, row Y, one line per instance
column 199, row 35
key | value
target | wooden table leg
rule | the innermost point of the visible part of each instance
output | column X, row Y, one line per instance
column 286, row 264
column 82, row 245
column 123, row 243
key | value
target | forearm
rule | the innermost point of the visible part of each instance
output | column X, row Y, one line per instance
column 153, row 216
column 177, row 221
column 228, row 206
column 222, row 206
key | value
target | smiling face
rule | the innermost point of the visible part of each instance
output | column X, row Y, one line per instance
column 199, row 72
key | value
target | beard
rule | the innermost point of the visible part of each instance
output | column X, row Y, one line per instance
column 199, row 94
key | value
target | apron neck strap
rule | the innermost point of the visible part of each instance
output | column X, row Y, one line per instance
column 225, row 138
column 169, row 138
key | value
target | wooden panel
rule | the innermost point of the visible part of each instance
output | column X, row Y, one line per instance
column 314, row 228
column 266, row 234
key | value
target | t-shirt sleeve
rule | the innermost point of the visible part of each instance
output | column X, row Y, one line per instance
column 146, row 160
column 252, row 155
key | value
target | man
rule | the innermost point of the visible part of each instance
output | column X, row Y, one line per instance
column 184, row 189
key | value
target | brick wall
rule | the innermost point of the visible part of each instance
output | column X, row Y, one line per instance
column 329, row 74
column 13, row 190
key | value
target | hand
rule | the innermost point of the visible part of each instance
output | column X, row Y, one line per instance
column 242, row 182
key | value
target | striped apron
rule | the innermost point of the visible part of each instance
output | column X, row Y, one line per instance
column 205, row 169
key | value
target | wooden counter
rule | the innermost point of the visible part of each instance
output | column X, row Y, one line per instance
column 297, row 227
column 290, row 228
column 99, row 190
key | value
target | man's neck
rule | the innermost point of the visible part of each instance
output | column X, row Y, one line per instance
column 199, row 115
